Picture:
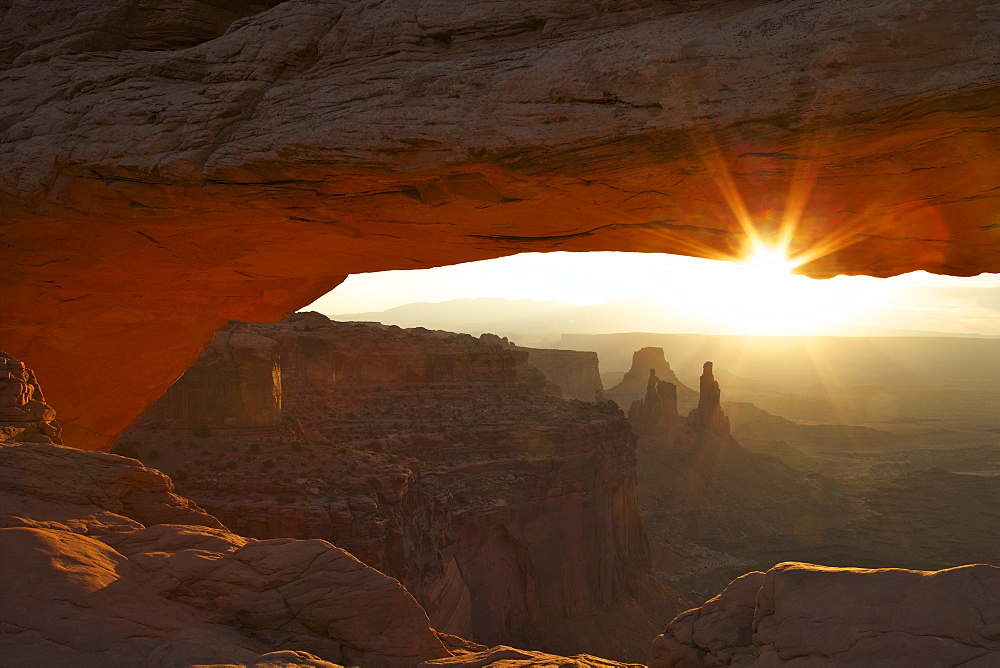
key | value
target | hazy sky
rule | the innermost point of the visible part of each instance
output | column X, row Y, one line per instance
column 746, row 298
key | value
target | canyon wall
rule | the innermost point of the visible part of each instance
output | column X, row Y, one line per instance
column 235, row 383
column 442, row 460
column 182, row 169
column 105, row 565
column 576, row 372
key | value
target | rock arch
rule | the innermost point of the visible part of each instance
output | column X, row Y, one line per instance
column 151, row 194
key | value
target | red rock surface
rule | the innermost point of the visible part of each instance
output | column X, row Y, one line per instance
column 103, row 565
column 508, row 657
column 24, row 415
column 804, row 615
column 439, row 459
column 181, row 170
column 235, row 383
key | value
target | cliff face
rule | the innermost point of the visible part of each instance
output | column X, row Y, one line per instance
column 235, row 383
column 320, row 355
column 105, row 565
column 439, row 459
column 576, row 372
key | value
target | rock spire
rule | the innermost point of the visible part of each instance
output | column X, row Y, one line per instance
column 708, row 416
column 657, row 410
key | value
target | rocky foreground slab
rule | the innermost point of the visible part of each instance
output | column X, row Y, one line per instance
column 806, row 615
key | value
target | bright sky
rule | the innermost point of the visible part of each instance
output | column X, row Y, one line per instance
column 754, row 298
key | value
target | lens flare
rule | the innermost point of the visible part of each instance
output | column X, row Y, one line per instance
column 771, row 260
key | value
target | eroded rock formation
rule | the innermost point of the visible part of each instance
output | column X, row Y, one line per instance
column 508, row 657
column 801, row 614
column 24, row 415
column 197, row 163
column 713, row 508
column 235, row 383
column 635, row 384
column 98, row 551
column 707, row 417
column 656, row 413
column 104, row 565
column 441, row 460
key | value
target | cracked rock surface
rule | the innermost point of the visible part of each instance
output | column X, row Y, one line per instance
column 805, row 615
column 172, row 165
column 103, row 565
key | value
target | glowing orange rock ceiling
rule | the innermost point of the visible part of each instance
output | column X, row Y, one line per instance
column 168, row 166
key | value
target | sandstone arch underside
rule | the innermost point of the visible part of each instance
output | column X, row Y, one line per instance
column 169, row 166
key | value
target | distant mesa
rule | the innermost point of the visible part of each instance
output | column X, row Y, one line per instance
column 239, row 381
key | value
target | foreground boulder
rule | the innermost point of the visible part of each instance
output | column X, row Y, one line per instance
column 24, row 415
column 805, row 615
column 85, row 582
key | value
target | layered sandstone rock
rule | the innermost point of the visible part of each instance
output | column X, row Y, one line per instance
column 196, row 163
column 656, row 413
column 24, row 415
column 707, row 417
column 576, row 372
column 801, row 614
column 105, row 566
column 439, row 459
column 235, row 383
column 318, row 354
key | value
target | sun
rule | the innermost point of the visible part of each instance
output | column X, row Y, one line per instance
column 759, row 295
column 769, row 261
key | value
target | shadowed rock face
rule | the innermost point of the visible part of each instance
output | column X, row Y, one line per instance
column 699, row 488
column 105, row 565
column 190, row 166
column 235, row 383
column 438, row 459
column 841, row 617
column 575, row 372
